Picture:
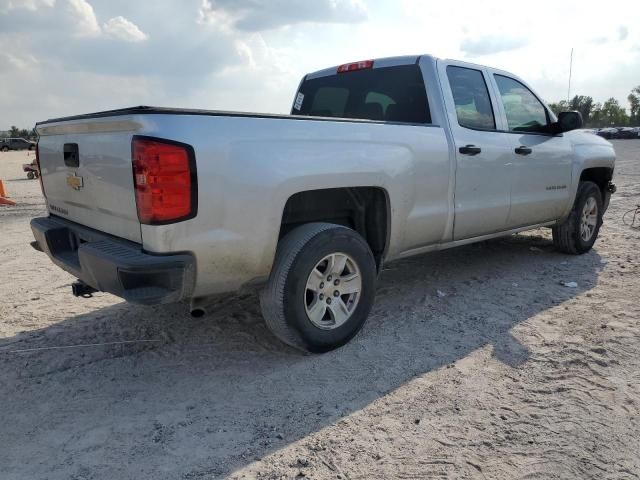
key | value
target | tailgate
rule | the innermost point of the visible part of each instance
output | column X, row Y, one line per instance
column 87, row 174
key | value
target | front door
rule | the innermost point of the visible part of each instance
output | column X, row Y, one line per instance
column 483, row 156
column 542, row 162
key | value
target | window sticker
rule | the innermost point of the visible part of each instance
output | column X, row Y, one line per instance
column 298, row 103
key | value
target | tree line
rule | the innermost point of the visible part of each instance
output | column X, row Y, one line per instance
column 607, row 114
column 15, row 132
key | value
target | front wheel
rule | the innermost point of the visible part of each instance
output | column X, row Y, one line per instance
column 580, row 230
column 321, row 287
column 31, row 175
column 4, row 149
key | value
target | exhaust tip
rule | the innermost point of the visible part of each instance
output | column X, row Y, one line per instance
column 198, row 313
column 81, row 289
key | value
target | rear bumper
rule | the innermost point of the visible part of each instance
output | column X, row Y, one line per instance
column 113, row 265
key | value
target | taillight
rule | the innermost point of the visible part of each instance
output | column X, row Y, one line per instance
column 164, row 176
column 353, row 67
column 38, row 167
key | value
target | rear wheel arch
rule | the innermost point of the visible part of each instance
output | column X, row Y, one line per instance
column 363, row 209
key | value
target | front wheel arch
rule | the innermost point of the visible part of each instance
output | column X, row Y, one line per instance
column 566, row 235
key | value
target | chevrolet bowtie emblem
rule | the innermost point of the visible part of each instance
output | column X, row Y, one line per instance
column 75, row 181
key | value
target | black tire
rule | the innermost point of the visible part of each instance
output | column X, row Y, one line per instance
column 566, row 236
column 5, row 149
column 32, row 147
column 31, row 175
column 283, row 299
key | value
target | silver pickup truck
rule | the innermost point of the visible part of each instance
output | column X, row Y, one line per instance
column 379, row 160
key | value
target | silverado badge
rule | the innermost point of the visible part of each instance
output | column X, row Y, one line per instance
column 75, row 181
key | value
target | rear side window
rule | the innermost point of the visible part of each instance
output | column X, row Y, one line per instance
column 471, row 98
column 525, row 113
column 392, row 94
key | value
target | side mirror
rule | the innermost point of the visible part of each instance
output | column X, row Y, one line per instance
column 568, row 121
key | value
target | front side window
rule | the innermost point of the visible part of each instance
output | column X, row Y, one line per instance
column 471, row 98
column 392, row 94
column 525, row 113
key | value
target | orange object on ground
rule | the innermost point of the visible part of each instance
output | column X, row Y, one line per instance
column 3, row 195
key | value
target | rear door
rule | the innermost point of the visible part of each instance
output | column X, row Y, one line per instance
column 542, row 162
column 87, row 174
column 483, row 157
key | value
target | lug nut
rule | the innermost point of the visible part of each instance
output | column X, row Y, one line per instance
column 321, row 284
column 336, row 282
column 329, row 301
column 321, row 296
column 336, row 293
column 329, row 278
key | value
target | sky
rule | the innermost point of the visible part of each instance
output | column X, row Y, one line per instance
column 65, row 57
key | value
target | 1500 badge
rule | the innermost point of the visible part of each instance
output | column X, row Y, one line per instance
column 75, row 181
column 557, row 187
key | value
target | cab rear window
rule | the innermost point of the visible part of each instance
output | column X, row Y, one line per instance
column 391, row 94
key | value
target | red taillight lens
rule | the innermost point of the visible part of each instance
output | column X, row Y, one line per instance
column 353, row 67
column 164, row 177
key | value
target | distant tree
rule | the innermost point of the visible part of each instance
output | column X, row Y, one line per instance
column 612, row 114
column 596, row 116
column 582, row 104
column 15, row 132
column 561, row 106
column 634, row 102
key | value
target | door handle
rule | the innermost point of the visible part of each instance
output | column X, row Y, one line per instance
column 470, row 150
column 523, row 150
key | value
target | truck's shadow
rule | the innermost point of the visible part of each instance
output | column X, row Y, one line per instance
column 215, row 393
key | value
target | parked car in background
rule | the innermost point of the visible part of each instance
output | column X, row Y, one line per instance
column 608, row 133
column 7, row 144
column 627, row 132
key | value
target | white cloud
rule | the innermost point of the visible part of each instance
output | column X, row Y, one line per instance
column 123, row 29
column 254, row 16
column 11, row 62
column 490, row 44
column 623, row 32
column 86, row 23
column 217, row 16
column 33, row 5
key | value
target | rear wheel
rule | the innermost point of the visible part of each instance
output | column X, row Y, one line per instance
column 31, row 175
column 580, row 230
column 5, row 149
column 321, row 287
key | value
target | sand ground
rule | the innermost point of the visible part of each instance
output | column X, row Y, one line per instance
column 508, row 375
